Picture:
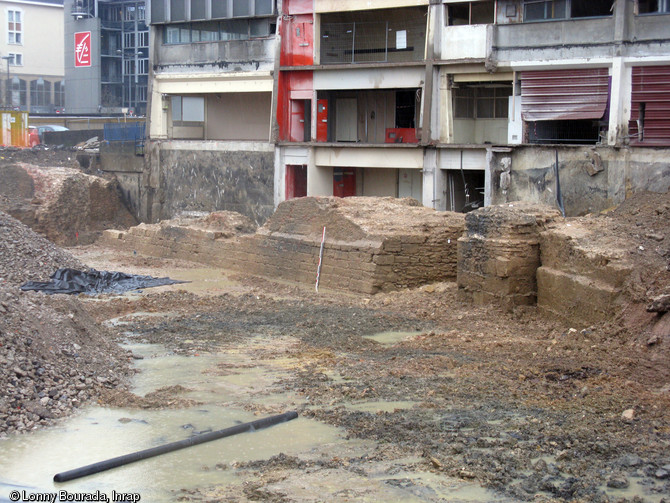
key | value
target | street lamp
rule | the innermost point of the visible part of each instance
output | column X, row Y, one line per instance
column 9, row 59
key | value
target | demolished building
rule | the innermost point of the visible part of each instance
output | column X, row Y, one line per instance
column 457, row 104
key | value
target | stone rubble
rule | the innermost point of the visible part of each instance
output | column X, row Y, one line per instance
column 53, row 355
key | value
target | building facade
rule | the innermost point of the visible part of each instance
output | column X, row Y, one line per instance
column 32, row 68
column 106, row 56
column 458, row 104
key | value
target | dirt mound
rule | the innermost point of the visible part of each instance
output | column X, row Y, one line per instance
column 64, row 204
column 355, row 218
column 25, row 255
column 224, row 224
column 53, row 355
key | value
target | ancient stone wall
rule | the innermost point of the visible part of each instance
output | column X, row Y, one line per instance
column 579, row 281
column 499, row 254
column 362, row 253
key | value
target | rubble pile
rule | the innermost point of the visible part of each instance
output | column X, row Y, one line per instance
column 25, row 255
column 53, row 356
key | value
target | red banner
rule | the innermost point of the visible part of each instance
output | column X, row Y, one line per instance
column 82, row 48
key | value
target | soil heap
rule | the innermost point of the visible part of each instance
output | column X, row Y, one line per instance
column 53, row 356
column 64, row 204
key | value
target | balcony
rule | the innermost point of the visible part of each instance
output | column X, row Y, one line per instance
column 465, row 42
column 383, row 36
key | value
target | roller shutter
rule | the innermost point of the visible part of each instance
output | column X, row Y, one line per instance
column 650, row 105
column 564, row 94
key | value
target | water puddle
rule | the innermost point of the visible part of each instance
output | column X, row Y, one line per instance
column 239, row 384
column 390, row 338
column 380, row 406
column 97, row 433
column 202, row 280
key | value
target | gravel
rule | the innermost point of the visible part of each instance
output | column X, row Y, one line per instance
column 53, row 355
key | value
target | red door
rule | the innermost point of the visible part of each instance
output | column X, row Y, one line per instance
column 297, row 129
column 296, row 181
column 344, row 182
column 321, row 120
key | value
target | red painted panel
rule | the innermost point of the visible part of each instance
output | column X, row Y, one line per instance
column 401, row 135
column 564, row 94
column 298, row 6
column 322, row 120
column 296, row 181
column 297, row 42
column 298, row 83
column 344, row 182
column 651, row 92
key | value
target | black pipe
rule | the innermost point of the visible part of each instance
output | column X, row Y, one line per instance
column 173, row 446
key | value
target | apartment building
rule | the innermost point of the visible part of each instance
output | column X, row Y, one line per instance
column 32, row 68
column 458, row 104
column 106, row 56
column 211, row 106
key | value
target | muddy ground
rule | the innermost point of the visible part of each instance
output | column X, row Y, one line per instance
column 527, row 407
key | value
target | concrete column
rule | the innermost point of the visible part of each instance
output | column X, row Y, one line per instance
column 621, row 81
column 620, row 94
column 279, row 177
column 434, row 181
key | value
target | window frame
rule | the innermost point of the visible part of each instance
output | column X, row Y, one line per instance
column 177, row 114
column 14, row 36
column 663, row 9
column 477, row 102
column 16, row 58
column 568, row 11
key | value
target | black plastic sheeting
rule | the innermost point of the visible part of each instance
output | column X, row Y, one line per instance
column 91, row 282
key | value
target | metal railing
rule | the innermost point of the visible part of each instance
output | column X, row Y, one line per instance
column 373, row 42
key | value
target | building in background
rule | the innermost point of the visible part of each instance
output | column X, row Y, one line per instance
column 32, row 64
column 106, row 56
column 458, row 104
column 212, row 105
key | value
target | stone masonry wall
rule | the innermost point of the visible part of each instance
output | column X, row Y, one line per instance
column 499, row 254
column 366, row 263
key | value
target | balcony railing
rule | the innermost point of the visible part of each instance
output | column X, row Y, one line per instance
column 373, row 42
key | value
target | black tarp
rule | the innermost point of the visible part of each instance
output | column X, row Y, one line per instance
column 72, row 281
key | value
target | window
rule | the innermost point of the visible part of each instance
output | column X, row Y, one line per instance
column 143, row 39
column 141, row 93
column 212, row 31
column 541, row 10
column 654, row 6
column 142, row 66
column 59, row 93
column 14, row 27
column 188, row 110
column 129, row 40
column 15, row 59
column 470, row 13
column 235, row 30
column 129, row 13
column 141, row 12
column 40, row 92
column 481, row 102
column 18, row 89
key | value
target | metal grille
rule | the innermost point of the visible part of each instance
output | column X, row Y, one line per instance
column 373, row 42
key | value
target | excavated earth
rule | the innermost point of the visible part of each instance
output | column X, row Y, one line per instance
column 533, row 408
